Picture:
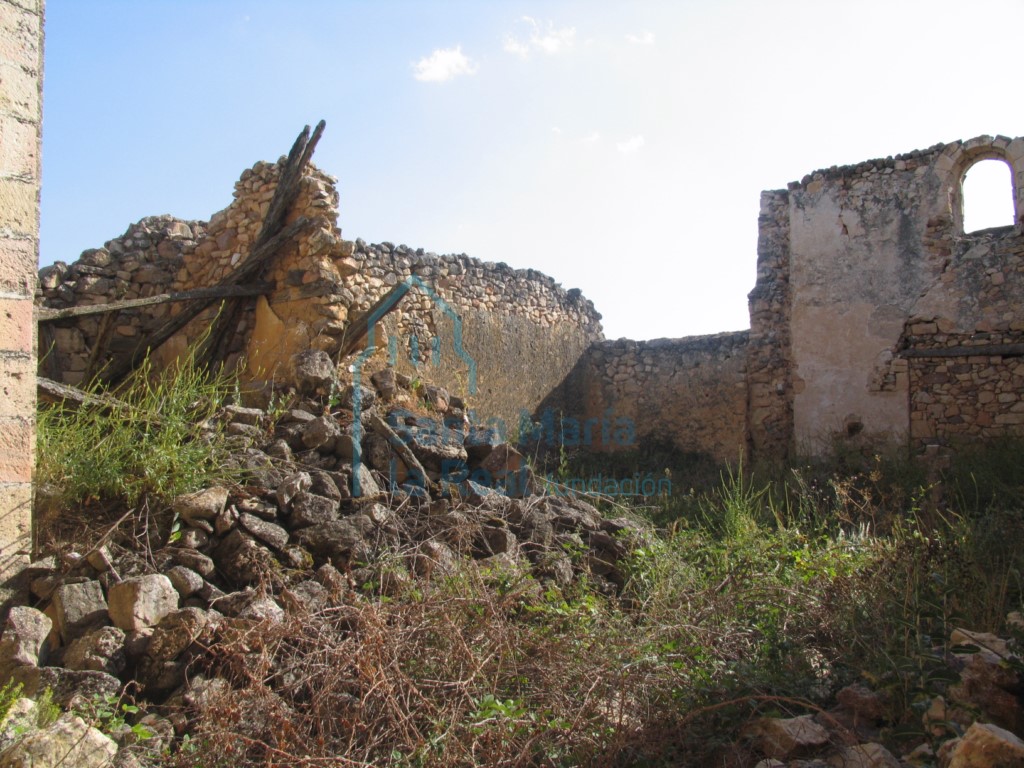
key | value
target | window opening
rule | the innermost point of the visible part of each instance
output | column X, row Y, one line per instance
column 987, row 196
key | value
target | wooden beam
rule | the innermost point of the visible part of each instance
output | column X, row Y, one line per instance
column 358, row 328
column 48, row 315
column 49, row 391
column 286, row 192
column 259, row 258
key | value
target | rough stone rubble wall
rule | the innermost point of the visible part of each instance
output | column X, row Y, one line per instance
column 959, row 389
column 522, row 329
column 688, row 393
column 847, row 256
column 21, row 72
column 770, row 350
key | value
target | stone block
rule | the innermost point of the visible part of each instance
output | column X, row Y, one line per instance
column 17, row 324
column 79, row 608
column 69, row 741
column 101, row 650
column 17, row 451
column 784, row 738
column 142, row 601
column 23, row 642
column 17, row 386
column 19, row 92
column 20, row 35
column 985, row 745
column 19, row 148
column 18, row 259
column 201, row 505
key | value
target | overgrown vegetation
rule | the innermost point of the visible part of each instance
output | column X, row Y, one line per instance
column 771, row 597
column 763, row 591
column 159, row 445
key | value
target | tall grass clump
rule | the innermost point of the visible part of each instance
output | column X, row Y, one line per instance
column 160, row 443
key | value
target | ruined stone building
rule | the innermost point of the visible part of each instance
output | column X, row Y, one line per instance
column 874, row 319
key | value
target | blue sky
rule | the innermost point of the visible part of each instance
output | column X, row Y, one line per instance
column 620, row 147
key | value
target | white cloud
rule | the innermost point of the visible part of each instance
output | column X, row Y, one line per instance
column 443, row 64
column 647, row 38
column 546, row 39
column 592, row 138
column 630, row 145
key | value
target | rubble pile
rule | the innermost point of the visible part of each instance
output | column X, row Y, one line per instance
column 349, row 492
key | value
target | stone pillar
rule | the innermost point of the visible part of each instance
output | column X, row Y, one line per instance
column 21, row 77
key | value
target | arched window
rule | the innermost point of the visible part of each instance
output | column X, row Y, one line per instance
column 987, row 194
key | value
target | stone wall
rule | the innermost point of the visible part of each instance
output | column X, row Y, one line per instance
column 874, row 318
column 965, row 347
column 21, row 74
column 846, row 257
column 522, row 331
column 770, row 352
column 689, row 393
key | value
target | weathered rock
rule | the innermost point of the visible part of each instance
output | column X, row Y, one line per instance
column 22, row 717
column 168, row 642
column 433, row 558
column 358, row 398
column 190, row 558
column 100, row 559
column 987, row 746
column 225, row 521
column 385, row 383
column 321, row 434
column 494, row 540
column 327, row 484
column 70, row 687
column 314, row 373
column 201, row 505
column 339, row 541
column 79, row 608
column 367, row 486
column 24, row 639
column 436, row 446
column 101, row 650
column 279, row 449
column 782, row 738
column 311, row 509
column 68, row 742
column 507, row 469
column 193, row 538
column 305, row 597
column 262, row 608
column 292, row 486
column 142, row 601
column 44, row 585
column 269, row 533
column 185, row 581
column 987, row 682
column 242, row 560
column 237, row 414
column 480, row 441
